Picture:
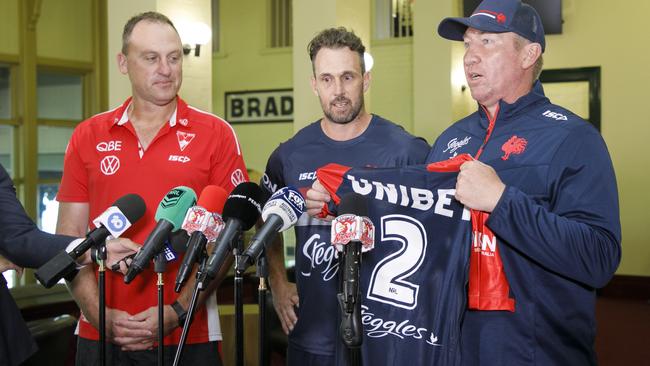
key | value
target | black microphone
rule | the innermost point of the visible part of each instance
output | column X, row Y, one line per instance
column 281, row 212
column 200, row 220
column 241, row 211
column 350, row 230
column 114, row 221
column 169, row 217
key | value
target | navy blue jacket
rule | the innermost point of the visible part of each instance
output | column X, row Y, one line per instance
column 557, row 226
column 25, row 245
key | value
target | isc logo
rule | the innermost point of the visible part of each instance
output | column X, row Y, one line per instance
column 307, row 176
column 179, row 158
column 556, row 116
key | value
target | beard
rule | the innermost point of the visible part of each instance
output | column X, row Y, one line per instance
column 346, row 116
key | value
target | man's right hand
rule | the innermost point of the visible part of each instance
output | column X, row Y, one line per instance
column 285, row 297
column 317, row 197
column 126, row 336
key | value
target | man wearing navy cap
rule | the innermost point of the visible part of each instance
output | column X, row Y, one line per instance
column 545, row 177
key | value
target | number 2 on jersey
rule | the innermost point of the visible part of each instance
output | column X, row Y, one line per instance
column 387, row 283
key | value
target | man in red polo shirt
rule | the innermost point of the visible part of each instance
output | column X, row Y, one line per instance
column 150, row 144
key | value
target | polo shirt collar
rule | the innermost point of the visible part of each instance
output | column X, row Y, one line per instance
column 179, row 115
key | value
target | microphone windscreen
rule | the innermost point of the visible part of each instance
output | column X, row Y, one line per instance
column 288, row 204
column 175, row 204
column 353, row 203
column 212, row 198
column 132, row 206
column 244, row 204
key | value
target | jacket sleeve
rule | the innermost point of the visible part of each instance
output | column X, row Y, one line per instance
column 575, row 231
column 20, row 240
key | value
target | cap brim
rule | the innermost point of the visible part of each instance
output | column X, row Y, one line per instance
column 454, row 28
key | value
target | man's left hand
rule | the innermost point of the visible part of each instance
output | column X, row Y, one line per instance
column 478, row 186
column 148, row 320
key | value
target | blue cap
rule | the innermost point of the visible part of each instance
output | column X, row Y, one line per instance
column 497, row 16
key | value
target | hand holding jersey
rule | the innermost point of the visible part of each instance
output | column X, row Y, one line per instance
column 316, row 198
column 478, row 186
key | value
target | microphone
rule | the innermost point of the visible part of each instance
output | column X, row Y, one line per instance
column 352, row 232
column 201, row 221
column 281, row 212
column 169, row 217
column 114, row 221
column 241, row 211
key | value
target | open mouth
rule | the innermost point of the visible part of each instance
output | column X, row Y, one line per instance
column 473, row 76
column 340, row 103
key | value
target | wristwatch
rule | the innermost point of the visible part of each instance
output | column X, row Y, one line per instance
column 180, row 312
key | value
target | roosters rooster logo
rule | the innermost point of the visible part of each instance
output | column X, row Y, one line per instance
column 514, row 145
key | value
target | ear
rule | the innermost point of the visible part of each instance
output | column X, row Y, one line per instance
column 530, row 53
column 367, row 77
column 122, row 64
column 313, row 85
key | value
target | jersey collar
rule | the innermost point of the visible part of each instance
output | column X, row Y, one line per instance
column 121, row 115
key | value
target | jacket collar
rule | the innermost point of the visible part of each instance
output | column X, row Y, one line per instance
column 508, row 112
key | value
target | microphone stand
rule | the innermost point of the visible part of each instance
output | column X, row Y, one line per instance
column 262, row 273
column 191, row 309
column 239, row 303
column 101, row 260
column 160, row 264
column 349, row 300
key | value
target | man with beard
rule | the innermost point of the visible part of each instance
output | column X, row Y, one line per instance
column 347, row 135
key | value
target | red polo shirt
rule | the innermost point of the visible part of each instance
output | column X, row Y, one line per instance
column 104, row 161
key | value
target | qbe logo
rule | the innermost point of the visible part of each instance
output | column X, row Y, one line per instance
column 116, row 222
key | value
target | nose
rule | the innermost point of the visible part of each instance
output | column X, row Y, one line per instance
column 164, row 68
column 471, row 57
column 339, row 87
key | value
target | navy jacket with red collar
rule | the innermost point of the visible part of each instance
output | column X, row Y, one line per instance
column 557, row 227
